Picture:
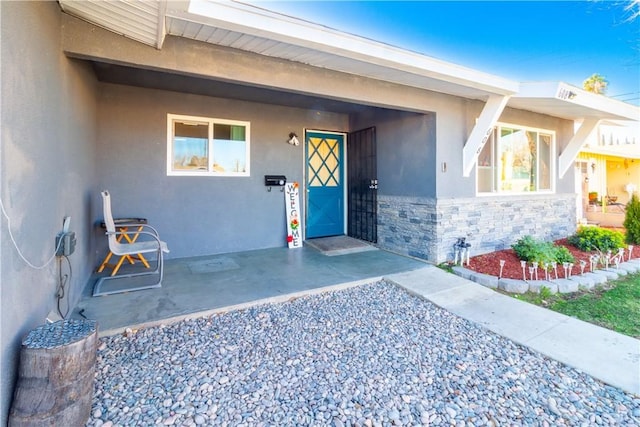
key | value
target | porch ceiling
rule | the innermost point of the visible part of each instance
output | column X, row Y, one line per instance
column 249, row 28
column 131, row 76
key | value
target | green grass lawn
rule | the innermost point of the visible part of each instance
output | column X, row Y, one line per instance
column 616, row 307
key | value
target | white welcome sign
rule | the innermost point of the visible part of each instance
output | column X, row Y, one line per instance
column 292, row 206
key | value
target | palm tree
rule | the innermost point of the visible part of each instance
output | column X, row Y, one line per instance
column 595, row 84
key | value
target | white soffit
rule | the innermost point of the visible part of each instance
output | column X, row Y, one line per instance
column 250, row 28
column 140, row 20
column 562, row 100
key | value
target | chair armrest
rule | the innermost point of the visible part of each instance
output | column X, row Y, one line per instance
column 119, row 221
column 136, row 224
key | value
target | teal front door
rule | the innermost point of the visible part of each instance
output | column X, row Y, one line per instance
column 325, row 184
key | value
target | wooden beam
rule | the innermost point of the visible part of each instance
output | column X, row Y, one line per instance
column 568, row 155
column 481, row 131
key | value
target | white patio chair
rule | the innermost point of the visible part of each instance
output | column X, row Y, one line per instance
column 149, row 242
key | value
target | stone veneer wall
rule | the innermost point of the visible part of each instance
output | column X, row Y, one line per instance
column 427, row 228
column 408, row 225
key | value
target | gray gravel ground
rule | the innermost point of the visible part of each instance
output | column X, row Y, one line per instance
column 370, row 355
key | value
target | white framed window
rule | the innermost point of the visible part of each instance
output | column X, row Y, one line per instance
column 517, row 160
column 202, row 146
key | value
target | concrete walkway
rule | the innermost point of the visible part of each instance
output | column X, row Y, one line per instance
column 606, row 355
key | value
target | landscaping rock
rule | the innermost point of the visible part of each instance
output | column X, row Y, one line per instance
column 485, row 280
column 631, row 267
column 598, row 279
column 584, row 282
column 610, row 275
column 513, row 286
column 463, row 272
column 536, row 286
column 566, row 286
column 619, row 271
column 372, row 355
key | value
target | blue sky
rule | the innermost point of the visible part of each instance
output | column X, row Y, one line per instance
column 524, row 41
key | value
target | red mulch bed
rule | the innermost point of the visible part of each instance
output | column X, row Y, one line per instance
column 490, row 263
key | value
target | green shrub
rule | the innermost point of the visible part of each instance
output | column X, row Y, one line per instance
column 532, row 250
column 632, row 221
column 597, row 239
column 563, row 254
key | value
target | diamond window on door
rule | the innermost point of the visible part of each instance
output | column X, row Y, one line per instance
column 324, row 164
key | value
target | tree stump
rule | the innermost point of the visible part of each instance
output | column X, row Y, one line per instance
column 56, row 375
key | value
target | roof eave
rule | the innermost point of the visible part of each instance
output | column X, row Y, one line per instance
column 235, row 16
column 603, row 151
column 563, row 96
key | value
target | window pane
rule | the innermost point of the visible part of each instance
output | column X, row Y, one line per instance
column 229, row 132
column 229, row 148
column 324, row 165
column 202, row 146
column 531, row 168
column 517, row 160
column 229, row 156
column 544, row 162
column 190, row 145
column 486, row 167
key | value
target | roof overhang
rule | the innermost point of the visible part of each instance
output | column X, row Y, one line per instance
column 253, row 29
column 562, row 100
column 629, row 153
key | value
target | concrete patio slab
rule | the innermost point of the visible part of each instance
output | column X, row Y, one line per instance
column 203, row 285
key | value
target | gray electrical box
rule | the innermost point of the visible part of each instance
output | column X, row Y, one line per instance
column 65, row 243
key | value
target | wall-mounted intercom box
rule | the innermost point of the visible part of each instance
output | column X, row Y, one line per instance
column 275, row 180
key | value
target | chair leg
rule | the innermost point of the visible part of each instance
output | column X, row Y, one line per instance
column 159, row 270
column 105, row 262
column 142, row 259
column 119, row 264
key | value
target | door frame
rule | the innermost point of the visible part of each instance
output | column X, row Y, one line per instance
column 343, row 176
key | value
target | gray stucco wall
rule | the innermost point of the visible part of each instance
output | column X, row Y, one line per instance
column 198, row 215
column 47, row 158
column 405, row 151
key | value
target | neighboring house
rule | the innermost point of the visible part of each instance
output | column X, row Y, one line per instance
column 181, row 109
column 608, row 170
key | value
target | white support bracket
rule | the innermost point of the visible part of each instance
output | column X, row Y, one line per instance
column 565, row 160
column 481, row 131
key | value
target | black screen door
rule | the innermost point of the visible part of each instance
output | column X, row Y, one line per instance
column 362, row 185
